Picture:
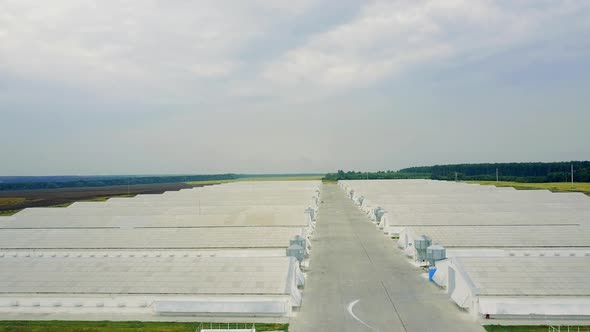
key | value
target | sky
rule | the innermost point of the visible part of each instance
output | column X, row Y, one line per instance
column 273, row 86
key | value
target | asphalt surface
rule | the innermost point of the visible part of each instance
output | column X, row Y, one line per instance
column 357, row 271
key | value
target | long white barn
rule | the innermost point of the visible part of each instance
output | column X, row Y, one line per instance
column 518, row 287
column 228, row 286
column 508, row 254
column 209, row 251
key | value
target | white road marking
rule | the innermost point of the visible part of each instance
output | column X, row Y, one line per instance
column 350, row 306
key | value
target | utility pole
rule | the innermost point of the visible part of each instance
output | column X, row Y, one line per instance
column 572, row 175
column 456, row 177
column 497, row 176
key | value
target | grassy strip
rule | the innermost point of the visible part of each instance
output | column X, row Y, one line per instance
column 107, row 326
column 8, row 213
column 500, row 328
column 6, row 201
column 273, row 178
column 105, row 198
column 583, row 187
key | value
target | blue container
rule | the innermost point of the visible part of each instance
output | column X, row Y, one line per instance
column 431, row 272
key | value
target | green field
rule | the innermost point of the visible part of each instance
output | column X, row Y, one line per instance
column 499, row 328
column 583, row 187
column 106, row 326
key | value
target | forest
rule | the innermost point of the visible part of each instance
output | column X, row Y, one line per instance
column 528, row 172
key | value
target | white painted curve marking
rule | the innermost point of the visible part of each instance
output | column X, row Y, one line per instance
column 350, row 306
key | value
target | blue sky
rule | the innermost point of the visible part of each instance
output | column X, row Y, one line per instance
column 127, row 87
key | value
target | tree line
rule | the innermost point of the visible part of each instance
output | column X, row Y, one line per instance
column 381, row 175
column 531, row 172
column 113, row 181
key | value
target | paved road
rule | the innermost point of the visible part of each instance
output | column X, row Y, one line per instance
column 352, row 261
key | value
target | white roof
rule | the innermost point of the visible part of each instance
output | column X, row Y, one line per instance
column 235, row 215
column 194, row 209
column 225, row 242
column 400, row 192
column 527, row 276
column 538, row 217
column 425, row 202
column 263, row 216
column 148, row 238
column 204, row 275
column 505, row 236
column 233, row 198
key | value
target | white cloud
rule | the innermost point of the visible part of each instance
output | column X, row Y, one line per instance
column 145, row 45
column 389, row 37
column 283, row 85
column 174, row 50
